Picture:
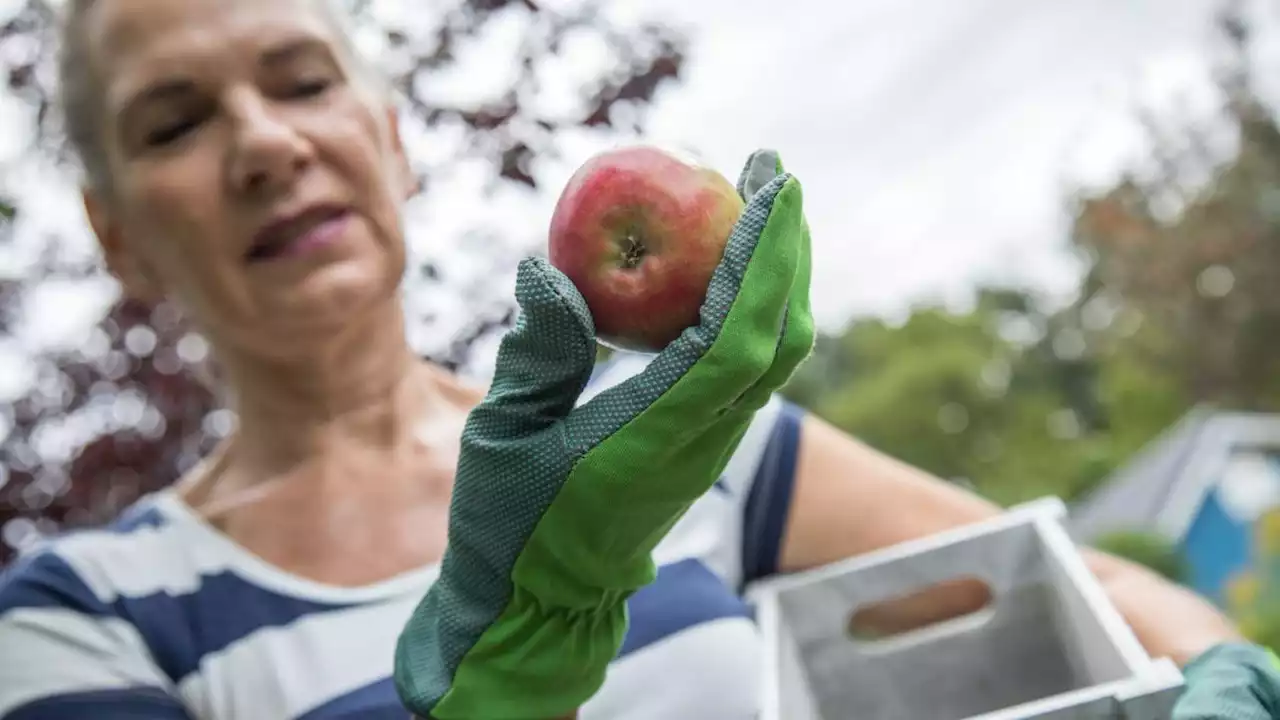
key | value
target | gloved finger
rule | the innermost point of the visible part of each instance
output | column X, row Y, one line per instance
column 760, row 169
column 757, row 292
column 544, row 362
column 798, row 333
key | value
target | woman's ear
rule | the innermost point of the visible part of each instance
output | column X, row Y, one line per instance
column 135, row 276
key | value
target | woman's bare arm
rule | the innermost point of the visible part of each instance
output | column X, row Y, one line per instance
column 850, row 499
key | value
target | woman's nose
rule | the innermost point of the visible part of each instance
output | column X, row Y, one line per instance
column 268, row 153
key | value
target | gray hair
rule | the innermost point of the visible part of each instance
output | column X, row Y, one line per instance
column 80, row 87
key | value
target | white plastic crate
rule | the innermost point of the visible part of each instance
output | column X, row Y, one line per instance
column 1049, row 645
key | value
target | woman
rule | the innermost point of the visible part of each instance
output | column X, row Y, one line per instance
column 274, row 580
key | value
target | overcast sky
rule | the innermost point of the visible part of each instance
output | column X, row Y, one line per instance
column 933, row 137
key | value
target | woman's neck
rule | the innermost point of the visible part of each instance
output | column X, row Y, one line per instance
column 341, row 468
column 292, row 416
column 344, row 417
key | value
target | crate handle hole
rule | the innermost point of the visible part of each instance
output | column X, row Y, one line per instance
column 927, row 610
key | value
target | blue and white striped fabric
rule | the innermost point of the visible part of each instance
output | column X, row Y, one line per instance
column 159, row 616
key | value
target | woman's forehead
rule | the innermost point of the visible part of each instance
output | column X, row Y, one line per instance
column 131, row 40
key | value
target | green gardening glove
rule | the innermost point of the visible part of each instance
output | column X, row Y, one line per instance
column 1232, row 681
column 557, row 506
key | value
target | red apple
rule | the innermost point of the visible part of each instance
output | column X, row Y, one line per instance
column 640, row 231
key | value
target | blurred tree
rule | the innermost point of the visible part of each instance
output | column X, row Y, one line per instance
column 1186, row 248
column 1177, row 306
column 990, row 397
column 124, row 413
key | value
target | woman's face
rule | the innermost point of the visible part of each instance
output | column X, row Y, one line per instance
column 255, row 177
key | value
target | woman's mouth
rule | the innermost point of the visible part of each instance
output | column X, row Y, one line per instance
column 300, row 234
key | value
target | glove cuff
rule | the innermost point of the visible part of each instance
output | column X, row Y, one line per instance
column 1231, row 680
column 534, row 661
column 1238, row 653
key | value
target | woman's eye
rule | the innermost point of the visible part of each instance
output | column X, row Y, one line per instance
column 165, row 134
column 310, row 87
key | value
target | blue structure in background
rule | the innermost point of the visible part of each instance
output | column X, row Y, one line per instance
column 1204, row 483
column 1216, row 547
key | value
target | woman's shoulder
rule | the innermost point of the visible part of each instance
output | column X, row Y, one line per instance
column 155, row 602
column 168, row 600
column 83, row 569
column 159, row 557
column 65, row 607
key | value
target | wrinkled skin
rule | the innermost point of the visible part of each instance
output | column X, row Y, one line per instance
column 218, row 117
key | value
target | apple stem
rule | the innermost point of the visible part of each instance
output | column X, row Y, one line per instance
column 633, row 252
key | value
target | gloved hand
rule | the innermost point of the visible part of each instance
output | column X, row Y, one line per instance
column 1231, row 681
column 556, row 509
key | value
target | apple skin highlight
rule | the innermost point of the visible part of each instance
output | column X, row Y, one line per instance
column 640, row 232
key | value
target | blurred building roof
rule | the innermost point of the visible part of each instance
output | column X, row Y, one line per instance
column 1163, row 486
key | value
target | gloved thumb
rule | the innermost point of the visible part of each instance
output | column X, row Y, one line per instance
column 546, row 359
column 761, row 168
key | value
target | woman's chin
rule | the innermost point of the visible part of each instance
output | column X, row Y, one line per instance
column 326, row 310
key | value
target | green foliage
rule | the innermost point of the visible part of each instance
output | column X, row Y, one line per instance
column 1254, row 604
column 1196, row 265
column 1152, row 550
column 990, row 396
column 1254, row 595
column 1264, row 628
column 1177, row 307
